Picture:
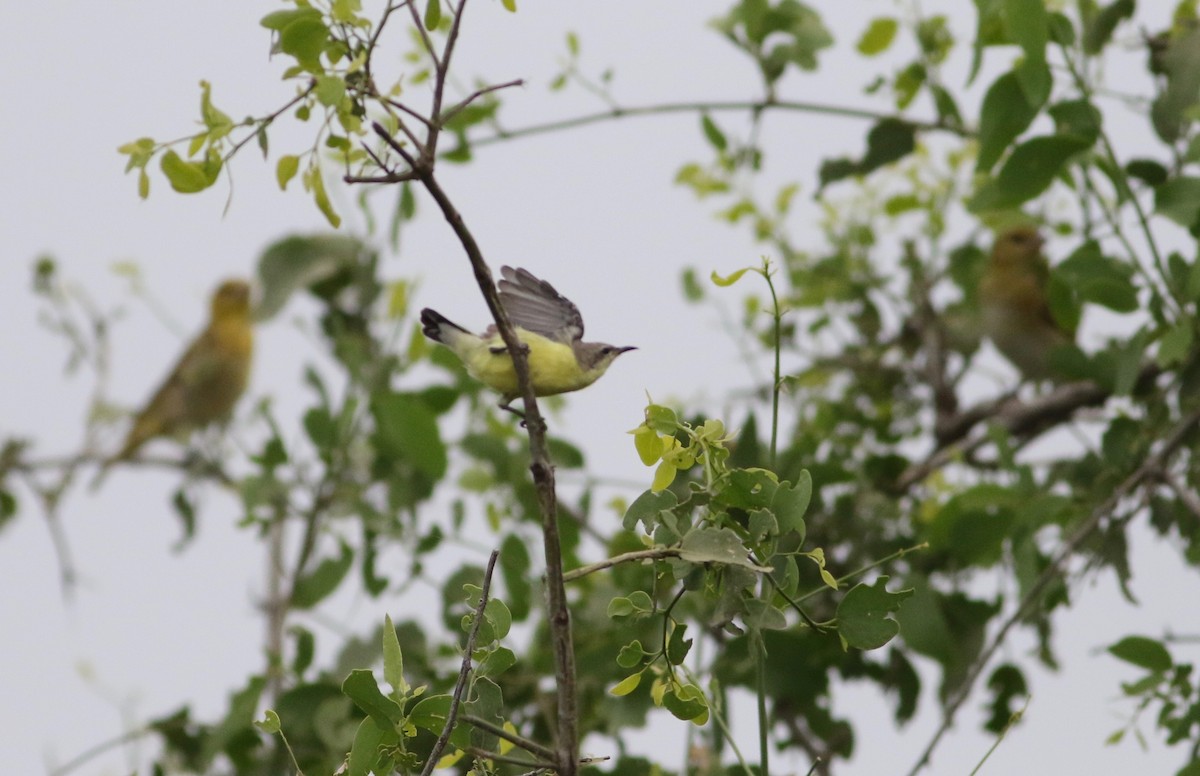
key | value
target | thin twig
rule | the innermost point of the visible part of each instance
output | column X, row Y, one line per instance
column 95, row 751
column 420, row 25
column 533, row 747
column 658, row 553
column 483, row 754
column 464, row 671
column 717, row 106
column 453, row 111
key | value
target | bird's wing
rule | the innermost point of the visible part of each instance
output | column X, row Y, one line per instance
column 165, row 410
column 534, row 305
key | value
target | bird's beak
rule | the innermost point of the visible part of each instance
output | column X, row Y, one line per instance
column 625, row 349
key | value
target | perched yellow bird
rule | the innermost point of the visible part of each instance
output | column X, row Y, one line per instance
column 545, row 321
column 1016, row 309
column 209, row 378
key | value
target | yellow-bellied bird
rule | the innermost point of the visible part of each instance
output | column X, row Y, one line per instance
column 1016, row 309
column 207, row 381
column 548, row 323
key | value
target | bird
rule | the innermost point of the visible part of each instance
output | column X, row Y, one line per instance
column 548, row 323
column 208, row 379
column 1015, row 306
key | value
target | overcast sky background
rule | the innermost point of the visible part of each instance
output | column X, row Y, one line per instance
column 593, row 210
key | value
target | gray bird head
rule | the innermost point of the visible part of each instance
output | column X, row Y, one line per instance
column 595, row 357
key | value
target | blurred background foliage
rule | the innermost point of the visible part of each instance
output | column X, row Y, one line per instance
column 894, row 451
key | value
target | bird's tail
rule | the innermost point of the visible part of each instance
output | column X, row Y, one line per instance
column 438, row 327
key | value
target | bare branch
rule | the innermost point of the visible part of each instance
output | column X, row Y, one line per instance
column 420, row 25
column 452, row 112
column 717, row 106
column 536, row 765
column 616, row 560
column 532, row 747
column 464, row 671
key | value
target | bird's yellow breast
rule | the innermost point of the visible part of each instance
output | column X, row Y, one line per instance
column 553, row 367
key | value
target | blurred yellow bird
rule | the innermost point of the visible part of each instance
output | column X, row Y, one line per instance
column 209, row 378
column 1016, row 309
column 545, row 321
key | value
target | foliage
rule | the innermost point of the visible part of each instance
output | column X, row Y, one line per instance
column 731, row 572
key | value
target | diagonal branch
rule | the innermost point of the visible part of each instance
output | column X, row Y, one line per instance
column 1147, row 471
column 715, row 106
column 464, row 671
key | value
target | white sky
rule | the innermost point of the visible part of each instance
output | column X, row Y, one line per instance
column 592, row 210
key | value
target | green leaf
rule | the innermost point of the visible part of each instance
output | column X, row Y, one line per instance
column 1098, row 28
column 305, row 38
column 713, row 133
column 433, row 14
column 1077, row 117
column 1118, row 295
column 497, row 614
column 316, row 183
column 749, row 489
column 1099, row 279
column 1028, row 25
column 430, row 713
column 619, row 607
column 301, row 261
column 365, row 752
column 393, row 658
column 563, row 454
column 1028, row 172
column 303, row 651
column 686, row 703
column 1148, row 171
column 360, row 686
column 269, row 723
column 406, row 429
column 729, row 280
column 1174, row 108
column 1175, row 345
column 189, row 177
column 1142, row 652
column 286, row 169
column 1005, row 114
column 514, row 569
column 310, row 589
column 878, row 36
column 330, row 90
column 1179, row 200
column 217, row 123
column 497, row 662
column 790, row 502
column 889, row 140
column 972, row 526
column 626, row 685
column 645, row 509
column 140, row 152
column 862, row 619
column 1191, row 769
column 678, row 647
column 277, row 20
column 716, row 545
column 631, row 654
